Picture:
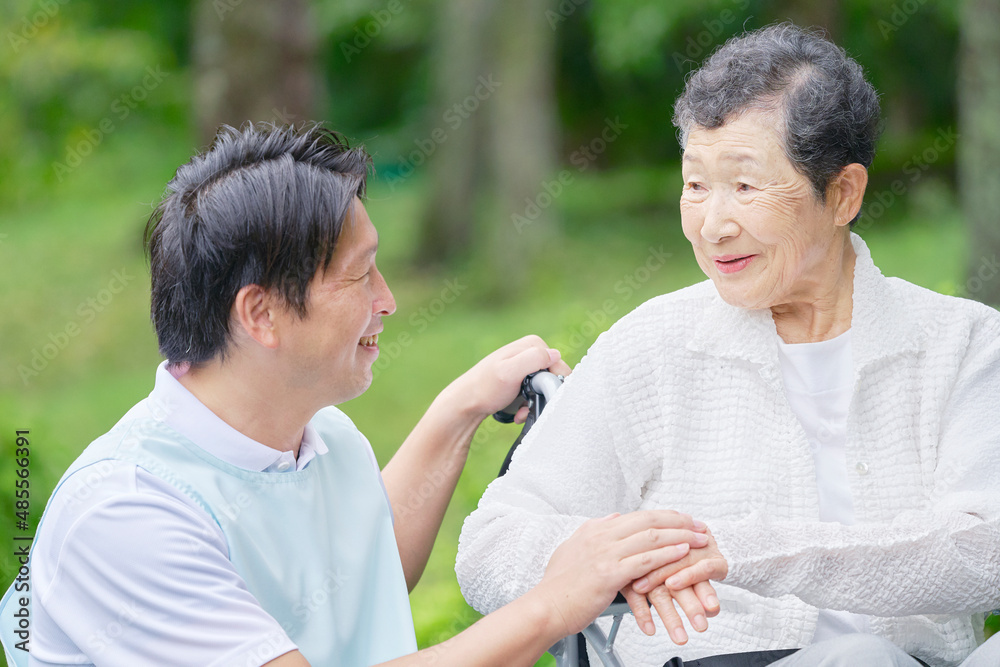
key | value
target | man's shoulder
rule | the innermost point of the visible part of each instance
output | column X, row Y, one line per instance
column 135, row 500
column 338, row 430
column 333, row 420
column 104, row 476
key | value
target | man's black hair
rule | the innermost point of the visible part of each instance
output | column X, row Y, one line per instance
column 263, row 206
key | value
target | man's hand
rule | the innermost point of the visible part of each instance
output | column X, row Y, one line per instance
column 439, row 444
column 495, row 381
column 604, row 555
column 690, row 589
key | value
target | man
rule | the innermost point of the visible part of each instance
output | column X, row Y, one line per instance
column 234, row 517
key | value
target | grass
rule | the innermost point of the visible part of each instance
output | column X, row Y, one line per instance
column 59, row 253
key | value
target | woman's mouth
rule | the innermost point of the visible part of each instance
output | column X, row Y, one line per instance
column 369, row 341
column 732, row 263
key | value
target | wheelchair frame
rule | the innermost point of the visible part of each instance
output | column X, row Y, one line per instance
column 537, row 390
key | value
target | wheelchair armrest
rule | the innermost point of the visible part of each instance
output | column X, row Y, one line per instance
column 618, row 607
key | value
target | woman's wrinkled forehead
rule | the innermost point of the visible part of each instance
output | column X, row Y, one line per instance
column 749, row 141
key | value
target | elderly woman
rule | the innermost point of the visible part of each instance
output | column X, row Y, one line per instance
column 837, row 430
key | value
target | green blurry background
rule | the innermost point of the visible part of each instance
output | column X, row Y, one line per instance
column 526, row 172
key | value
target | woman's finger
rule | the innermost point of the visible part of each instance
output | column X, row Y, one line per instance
column 709, row 599
column 691, row 605
column 640, row 610
column 642, row 560
column 663, row 601
column 703, row 570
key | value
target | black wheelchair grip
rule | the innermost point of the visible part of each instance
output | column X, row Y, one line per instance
column 528, row 423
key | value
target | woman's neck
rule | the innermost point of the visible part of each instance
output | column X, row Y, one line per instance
column 826, row 312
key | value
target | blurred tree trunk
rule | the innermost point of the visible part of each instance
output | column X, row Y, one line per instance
column 457, row 59
column 979, row 145
column 521, row 220
column 493, row 70
column 253, row 60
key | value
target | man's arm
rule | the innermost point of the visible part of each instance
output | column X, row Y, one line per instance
column 580, row 580
column 517, row 634
column 434, row 454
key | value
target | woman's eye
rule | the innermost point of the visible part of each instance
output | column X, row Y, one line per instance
column 694, row 186
column 743, row 187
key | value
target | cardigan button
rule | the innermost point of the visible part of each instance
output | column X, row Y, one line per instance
column 862, row 468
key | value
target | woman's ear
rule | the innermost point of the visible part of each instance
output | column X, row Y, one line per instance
column 847, row 191
column 255, row 312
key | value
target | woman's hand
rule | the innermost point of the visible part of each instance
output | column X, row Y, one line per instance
column 604, row 555
column 699, row 603
column 687, row 584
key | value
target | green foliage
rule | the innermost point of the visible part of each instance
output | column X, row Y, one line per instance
column 992, row 624
column 69, row 85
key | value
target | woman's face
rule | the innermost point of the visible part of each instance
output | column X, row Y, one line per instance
column 756, row 227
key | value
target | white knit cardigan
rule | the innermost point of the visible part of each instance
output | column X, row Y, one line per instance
column 680, row 405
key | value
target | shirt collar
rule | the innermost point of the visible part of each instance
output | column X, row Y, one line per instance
column 171, row 403
column 882, row 327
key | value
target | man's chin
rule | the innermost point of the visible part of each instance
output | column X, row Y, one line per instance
column 344, row 394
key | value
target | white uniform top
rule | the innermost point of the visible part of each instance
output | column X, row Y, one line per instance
column 80, row 544
column 819, row 383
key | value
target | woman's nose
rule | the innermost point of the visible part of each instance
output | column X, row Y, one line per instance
column 719, row 224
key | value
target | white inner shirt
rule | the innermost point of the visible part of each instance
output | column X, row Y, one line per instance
column 819, row 382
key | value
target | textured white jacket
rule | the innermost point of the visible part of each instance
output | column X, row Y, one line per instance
column 680, row 405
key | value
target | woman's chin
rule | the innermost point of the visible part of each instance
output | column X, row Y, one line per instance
column 741, row 298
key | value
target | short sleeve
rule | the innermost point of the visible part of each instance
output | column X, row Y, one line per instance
column 143, row 578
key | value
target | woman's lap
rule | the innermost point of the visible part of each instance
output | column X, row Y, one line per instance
column 850, row 651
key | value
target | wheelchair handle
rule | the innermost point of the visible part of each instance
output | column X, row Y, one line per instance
column 538, row 384
column 537, row 389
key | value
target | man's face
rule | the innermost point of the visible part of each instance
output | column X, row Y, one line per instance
column 333, row 348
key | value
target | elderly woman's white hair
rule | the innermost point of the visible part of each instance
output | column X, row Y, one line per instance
column 830, row 112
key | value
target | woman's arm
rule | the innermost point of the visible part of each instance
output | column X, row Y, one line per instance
column 943, row 558
column 564, row 472
column 567, row 469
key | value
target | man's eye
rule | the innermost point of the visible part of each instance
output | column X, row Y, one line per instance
column 697, row 187
column 743, row 187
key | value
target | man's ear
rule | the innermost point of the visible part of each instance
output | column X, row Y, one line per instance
column 848, row 191
column 256, row 311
